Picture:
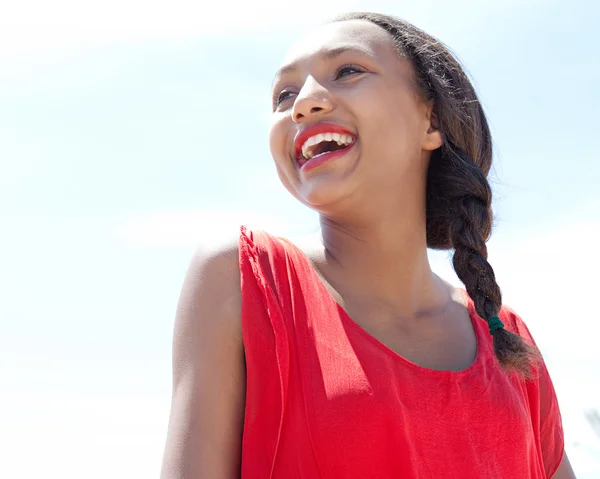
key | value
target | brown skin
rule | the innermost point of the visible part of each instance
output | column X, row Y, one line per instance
column 564, row 471
column 207, row 409
column 371, row 252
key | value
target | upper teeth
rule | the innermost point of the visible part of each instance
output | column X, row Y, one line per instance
column 340, row 139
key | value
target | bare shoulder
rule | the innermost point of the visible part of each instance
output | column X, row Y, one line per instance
column 210, row 300
column 218, row 251
column 212, row 284
column 207, row 409
column 215, row 264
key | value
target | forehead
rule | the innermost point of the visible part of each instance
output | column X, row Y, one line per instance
column 351, row 34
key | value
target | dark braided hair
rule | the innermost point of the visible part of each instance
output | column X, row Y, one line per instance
column 459, row 197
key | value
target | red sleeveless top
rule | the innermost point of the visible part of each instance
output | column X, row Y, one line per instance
column 325, row 399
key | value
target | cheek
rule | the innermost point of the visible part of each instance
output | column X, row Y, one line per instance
column 399, row 126
column 280, row 151
column 391, row 140
column 277, row 140
column 385, row 114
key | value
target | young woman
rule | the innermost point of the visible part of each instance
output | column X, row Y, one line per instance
column 343, row 355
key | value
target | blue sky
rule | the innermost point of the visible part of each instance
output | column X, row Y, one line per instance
column 129, row 131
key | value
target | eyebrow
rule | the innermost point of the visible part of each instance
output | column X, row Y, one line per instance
column 328, row 54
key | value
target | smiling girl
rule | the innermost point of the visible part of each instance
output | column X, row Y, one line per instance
column 343, row 355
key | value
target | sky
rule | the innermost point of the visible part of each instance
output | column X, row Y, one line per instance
column 130, row 130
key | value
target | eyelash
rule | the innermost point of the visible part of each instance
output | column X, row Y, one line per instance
column 280, row 98
column 338, row 75
column 343, row 68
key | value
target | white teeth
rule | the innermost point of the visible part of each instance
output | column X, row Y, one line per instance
column 340, row 139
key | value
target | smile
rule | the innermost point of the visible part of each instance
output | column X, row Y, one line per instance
column 322, row 142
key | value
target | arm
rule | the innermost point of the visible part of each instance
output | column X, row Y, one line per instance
column 564, row 471
column 206, row 421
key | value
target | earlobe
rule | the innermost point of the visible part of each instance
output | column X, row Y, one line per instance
column 434, row 140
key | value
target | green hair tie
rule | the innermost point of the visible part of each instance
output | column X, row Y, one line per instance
column 495, row 324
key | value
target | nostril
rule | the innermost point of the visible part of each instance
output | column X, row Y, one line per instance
column 301, row 113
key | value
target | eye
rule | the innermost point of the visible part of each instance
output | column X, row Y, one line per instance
column 347, row 70
column 283, row 96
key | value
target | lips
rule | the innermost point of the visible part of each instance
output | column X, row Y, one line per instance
column 313, row 130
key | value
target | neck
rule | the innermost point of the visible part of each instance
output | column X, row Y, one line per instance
column 382, row 265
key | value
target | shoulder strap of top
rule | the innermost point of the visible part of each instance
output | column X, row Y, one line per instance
column 266, row 346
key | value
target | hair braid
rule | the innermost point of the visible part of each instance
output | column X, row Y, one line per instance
column 459, row 197
column 470, row 223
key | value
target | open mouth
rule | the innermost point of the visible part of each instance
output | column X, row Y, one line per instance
column 323, row 143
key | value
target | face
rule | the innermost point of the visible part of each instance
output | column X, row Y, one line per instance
column 348, row 125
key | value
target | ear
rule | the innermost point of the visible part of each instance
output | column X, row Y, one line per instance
column 433, row 136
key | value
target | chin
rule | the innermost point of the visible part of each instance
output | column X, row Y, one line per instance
column 320, row 193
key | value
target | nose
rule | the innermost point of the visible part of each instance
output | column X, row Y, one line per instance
column 313, row 99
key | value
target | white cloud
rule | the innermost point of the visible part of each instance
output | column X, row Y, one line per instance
column 188, row 228
column 38, row 25
column 78, row 435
